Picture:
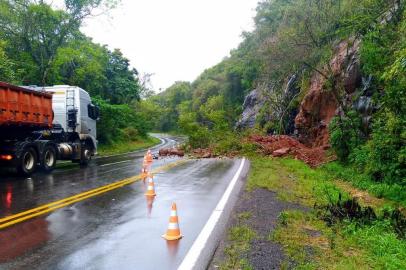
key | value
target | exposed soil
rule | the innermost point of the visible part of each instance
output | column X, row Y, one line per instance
column 265, row 209
column 164, row 152
column 203, row 153
column 283, row 145
column 362, row 196
column 320, row 105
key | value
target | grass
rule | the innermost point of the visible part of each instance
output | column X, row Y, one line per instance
column 125, row 147
column 306, row 238
column 392, row 192
column 292, row 180
column 239, row 238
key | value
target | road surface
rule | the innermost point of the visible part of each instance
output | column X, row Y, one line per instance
column 119, row 229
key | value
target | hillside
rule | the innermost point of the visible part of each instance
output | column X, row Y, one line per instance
column 324, row 72
column 314, row 81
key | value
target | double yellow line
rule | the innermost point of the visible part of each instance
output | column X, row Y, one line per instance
column 43, row 209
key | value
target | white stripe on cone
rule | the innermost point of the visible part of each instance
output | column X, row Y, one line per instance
column 173, row 226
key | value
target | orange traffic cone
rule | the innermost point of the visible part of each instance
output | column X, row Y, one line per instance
column 149, row 156
column 145, row 161
column 173, row 232
column 150, row 188
column 144, row 173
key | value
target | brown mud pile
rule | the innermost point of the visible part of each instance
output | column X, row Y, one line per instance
column 282, row 145
column 164, row 152
column 203, row 153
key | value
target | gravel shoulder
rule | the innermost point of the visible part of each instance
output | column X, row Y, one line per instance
column 261, row 209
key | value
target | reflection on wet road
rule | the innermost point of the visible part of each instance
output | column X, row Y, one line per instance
column 120, row 229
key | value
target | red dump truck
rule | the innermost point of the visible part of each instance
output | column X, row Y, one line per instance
column 39, row 125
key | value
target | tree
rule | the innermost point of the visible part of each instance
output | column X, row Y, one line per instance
column 36, row 31
column 7, row 67
column 122, row 82
column 146, row 90
column 81, row 63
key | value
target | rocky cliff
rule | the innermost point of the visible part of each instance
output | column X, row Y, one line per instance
column 338, row 85
column 309, row 122
column 321, row 104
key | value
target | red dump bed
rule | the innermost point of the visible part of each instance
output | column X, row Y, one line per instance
column 23, row 107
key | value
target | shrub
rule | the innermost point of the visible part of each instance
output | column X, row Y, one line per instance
column 345, row 134
column 118, row 123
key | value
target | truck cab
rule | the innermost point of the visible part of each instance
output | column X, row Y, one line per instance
column 74, row 112
column 40, row 125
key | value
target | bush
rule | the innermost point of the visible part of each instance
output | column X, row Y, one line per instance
column 345, row 134
column 118, row 123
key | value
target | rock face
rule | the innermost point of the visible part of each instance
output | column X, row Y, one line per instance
column 258, row 98
column 291, row 90
column 251, row 107
column 320, row 105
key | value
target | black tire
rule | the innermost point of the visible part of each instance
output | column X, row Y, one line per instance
column 48, row 158
column 85, row 155
column 27, row 163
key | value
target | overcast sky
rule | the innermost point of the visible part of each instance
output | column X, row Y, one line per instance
column 175, row 40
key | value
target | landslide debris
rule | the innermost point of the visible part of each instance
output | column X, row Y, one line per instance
column 283, row 145
column 165, row 152
column 203, row 153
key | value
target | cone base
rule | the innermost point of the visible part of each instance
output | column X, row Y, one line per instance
column 170, row 238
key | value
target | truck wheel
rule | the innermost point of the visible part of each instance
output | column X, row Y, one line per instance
column 48, row 159
column 86, row 155
column 27, row 162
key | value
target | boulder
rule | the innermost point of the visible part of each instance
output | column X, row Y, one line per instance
column 281, row 152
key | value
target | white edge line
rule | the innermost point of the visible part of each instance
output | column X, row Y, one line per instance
column 194, row 252
column 103, row 165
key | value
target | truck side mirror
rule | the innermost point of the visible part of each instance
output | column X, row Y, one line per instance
column 93, row 111
column 97, row 112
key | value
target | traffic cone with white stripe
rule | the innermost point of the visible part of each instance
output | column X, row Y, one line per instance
column 173, row 232
column 145, row 162
column 144, row 173
column 149, row 156
column 151, row 187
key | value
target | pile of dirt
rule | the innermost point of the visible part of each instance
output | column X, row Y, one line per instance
column 203, row 153
column 283, row 145
column 164, row 152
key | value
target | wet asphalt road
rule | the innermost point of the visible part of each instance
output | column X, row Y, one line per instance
column 120, row 229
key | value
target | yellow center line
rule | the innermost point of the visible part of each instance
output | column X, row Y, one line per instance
column 29, row 214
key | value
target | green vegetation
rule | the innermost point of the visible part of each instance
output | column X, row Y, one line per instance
column 42, row 45
column 380, row 152
column 307, row 237
column 298, row 38
column 127, row 146
column 239, row 238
